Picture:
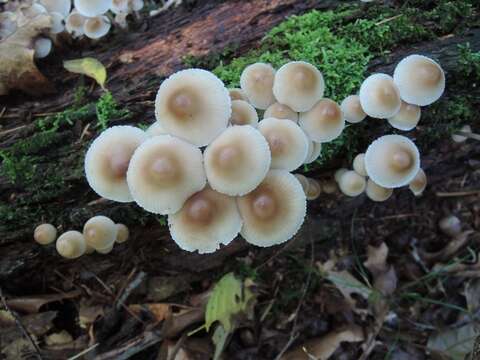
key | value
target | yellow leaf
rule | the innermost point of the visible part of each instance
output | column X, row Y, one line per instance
column 88, row 66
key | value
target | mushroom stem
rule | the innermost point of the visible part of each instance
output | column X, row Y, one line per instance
column 469, row 135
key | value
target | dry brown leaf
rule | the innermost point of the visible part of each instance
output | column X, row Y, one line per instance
column 377, row 259
column 323, row 347
column 18, row 69
column 34, row 303
column 159, row 311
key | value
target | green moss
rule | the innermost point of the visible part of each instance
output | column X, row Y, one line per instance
column 108, row 109
column 469, row 64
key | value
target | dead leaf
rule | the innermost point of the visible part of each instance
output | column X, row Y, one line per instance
column 16, row 349
column 88, row 66
column 323, row 347
column 60, row 338
column 159, row 311
column 6, row 319
column 34, row 303
column 377, row 259
column 386, row 282
column 18, row 69
column 454, row 343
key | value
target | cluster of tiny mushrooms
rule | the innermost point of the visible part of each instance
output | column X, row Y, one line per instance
column 242, row 181
column 92, row 19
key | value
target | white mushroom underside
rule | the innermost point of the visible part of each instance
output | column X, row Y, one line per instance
column 96, row 27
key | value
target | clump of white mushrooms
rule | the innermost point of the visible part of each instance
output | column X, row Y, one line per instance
column 99, row 234
column 90, row 18
column 217, row 169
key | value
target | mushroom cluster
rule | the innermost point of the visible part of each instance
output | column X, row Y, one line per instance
column 216, row 171
column 99, row 234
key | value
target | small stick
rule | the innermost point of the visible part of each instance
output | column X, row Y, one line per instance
column 87, row 350
column 388, row 20
column 458, row 193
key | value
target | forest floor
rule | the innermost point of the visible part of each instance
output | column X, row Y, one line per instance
column 361, row 280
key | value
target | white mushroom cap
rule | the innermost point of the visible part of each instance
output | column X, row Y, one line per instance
column 42, row 47
column 314, row 189
column 274, row 211
column 359, row 164
column 287, row 142
column 155, row 129
column 57, row 23
column 164, row 172
column 237, row 161
column 352, row 109
column 206, row 220
column 280, row 111
column 106, row 250
column 135, row 5
column 45, row 234
column 237, row 94
column 352, row 184
column 376, row 192
column 107, row 159
column 243, row 113
column 100, row 232
column 96, row 27
column 392, row 161
column 74, row 24
column 120, row 6
column 122, row 233
column 71, row 245
column 194, row 105
column 256, row 82
column 338, row 174
column 298, row 85
column 315, row 148
column 460, row 138
column 303, row 181
column 91, row 8
column 57, row 6
column 421, row 80
column 379, row 96
column 407, row 118
column 324, row 122
column 419, row 183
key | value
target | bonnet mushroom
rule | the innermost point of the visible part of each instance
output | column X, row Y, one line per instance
column 92, row 8
column 71, row 245
column 359, row 164
column 351, row 183
column 419, row 183
column 314, row 150
column 352, row 109
column 303, row 181
column 461, row 138
column 338, row 174
column 407, row 118
column 164, row 172
column 237, row 161
column 274, row 211
column 96, row 27
column 298, row 85
column 57, row 23
column 74, row 24
column 376, row 192
column 280, row 111
column 379, row 96
column 122, row 233
column 206, row 220
column 243, row 114
column 45, row 234
column 256, row 82
column 100, row 232
column 107, row 159
column 314, row 189
column 324, row 122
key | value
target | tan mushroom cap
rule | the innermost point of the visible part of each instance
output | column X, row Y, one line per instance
column 421, row 80
column 194, row 105
column 107, row 159
column 243, row 114
column 392, row 161
column 376, row 192
column 237, row 94
column 351, row 183
column 338, row 174
column 100, row 232
column 280, row 111
column 303, row 181
column 359, row 164
column 206, row 220
column 237, row 161
column 71, row 245
column 419, row 183
column 45, row 234
column 287, row 142
column 460, row 138
column 256, row 82
column 122, row 233
column 407, row 118
column 314, row 189
column 298, row 85
column 274, row 211
column 352, row 109
column 164, row 172
column 155, row 129
column 324, row 122
column 379, row 96
column 314, row 150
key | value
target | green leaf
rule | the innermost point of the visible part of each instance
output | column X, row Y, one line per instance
column 219, row 338
column 229, row 298
column 88, row 66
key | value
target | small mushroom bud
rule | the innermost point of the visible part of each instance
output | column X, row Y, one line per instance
column 314, row 189
column 352, row 184
column 359, row 165
column 122, row 233
column 71, row 245
column 376, row 192
column 450, row 225
column 100, row 232
column 460, row 138
column 280, row 111
column 237, row 94
column 338, row 174
column 352, row 109
column 303, row 181
column 42, row 47
column 45, row 234
column 329, row 187
column 419, row 183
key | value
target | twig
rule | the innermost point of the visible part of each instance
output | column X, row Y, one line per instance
column 5, row 132
column 177, row 347
column 388, row 20
column 132, row 347
column 458, row 193
column 20, row 325
column 87, row 350
column 128, row 290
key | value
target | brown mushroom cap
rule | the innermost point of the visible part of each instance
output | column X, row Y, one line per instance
column 392, row 161
column 359, row 164
column 314, row 189
column 237, row 161
column 352, row 184
column 122, row 233
column 407, row 118
column 379, row 96
column 352, row 109
column 194, row 105
column 206, row 220
column 287, row 142
column 237, row 94
column 376, row 192
column 298, row 85
column 324, row 122
column 274, row 211
column 420, row 80
column 100, row 232
column 45, row 234
column 107, row 159
column 419, row 183
column 243, row 114
column 71, row 245
column 164, row 172
column 280, row 111
column 256, row 82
